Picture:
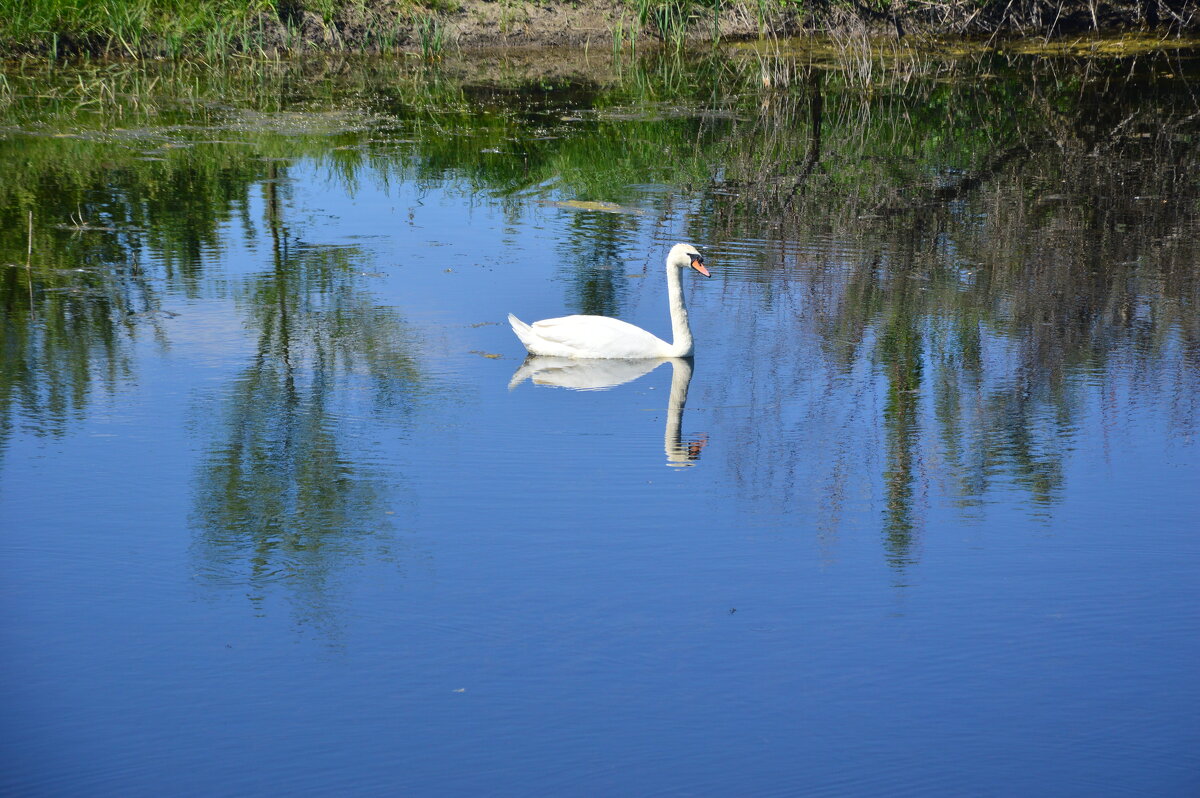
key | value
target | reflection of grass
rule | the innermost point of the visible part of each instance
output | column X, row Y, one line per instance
column 778, row 137
column 746, row 119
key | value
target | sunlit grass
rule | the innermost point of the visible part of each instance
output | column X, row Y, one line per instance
column 126, row 27
column 206, row 28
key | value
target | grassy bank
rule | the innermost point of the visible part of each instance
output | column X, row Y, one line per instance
column 208, row 28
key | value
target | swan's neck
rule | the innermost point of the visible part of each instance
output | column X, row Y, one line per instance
column 681, row 333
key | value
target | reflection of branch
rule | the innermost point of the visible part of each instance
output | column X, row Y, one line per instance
column 961, row 187
column 29, row 268
column 816, row 106
column 280, row 257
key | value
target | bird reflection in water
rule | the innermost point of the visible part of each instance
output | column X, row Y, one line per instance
column 595, row 375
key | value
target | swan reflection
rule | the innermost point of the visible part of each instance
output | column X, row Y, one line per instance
column 598, row 375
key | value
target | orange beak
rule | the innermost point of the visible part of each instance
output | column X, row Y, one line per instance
column 698, row 265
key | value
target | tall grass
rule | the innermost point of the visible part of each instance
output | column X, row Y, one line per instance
column 212, row 29
column 673, row 21
column 669, row 19
column 132, row 28
column 431, row 35
column 215, row 28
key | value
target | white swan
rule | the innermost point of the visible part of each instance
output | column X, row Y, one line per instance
column 603, row 337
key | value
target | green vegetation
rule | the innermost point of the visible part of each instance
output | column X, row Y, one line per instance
column 216, row 28
column 670, row 19
column 130, row 27
column 212, row 28
column 432, row 37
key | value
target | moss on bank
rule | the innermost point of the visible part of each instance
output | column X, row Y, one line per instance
column 207, row 28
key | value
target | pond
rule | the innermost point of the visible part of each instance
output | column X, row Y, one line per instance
column 286, row 511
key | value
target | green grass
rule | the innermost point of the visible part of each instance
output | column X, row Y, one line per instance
column 128, row 27
column 431, row 35
column 670, row 19
column 208, row 28
column 172, row 28
column 214, row 29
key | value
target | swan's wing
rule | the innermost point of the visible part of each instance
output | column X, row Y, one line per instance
column 598, row 336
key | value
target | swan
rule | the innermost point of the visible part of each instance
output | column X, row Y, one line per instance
column 604, row 337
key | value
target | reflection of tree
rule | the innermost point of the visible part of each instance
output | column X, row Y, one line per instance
column 63, row 339
column 279, row 496
column 993, row 237
column 73, row 309
column 901, row 355
column 995, row 299
column 591, row 261
column 109, row 243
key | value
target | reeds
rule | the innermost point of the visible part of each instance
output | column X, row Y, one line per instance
column 625, row 32
column 669, row 19
column 431, row 36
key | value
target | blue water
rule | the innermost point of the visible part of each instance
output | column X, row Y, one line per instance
column 358, row 562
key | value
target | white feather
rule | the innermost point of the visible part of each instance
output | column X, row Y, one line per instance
column 604, row 337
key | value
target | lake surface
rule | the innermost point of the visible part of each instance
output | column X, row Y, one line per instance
column 282, row 514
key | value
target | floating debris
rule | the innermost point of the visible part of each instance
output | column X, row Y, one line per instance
column 590, row 205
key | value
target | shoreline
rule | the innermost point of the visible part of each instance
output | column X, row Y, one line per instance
column 431, row 31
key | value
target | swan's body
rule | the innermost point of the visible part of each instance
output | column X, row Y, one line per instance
column 604, row 337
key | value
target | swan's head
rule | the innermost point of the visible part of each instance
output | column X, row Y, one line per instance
column 682, row 256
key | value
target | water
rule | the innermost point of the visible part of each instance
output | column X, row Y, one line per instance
column 918, row 519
